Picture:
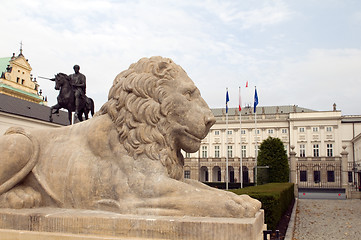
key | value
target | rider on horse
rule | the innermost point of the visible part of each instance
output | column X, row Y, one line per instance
column 78, row 81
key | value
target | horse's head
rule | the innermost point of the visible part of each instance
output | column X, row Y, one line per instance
column 60, row 80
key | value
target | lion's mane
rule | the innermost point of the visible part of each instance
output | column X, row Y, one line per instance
column 135, row 106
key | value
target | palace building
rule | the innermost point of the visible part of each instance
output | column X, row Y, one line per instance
column 317, row 139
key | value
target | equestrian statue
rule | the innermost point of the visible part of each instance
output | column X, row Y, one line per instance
column 72, row 95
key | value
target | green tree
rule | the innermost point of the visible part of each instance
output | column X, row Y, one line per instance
column 272, row 153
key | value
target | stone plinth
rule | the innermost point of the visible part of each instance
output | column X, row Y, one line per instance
column 50, row 223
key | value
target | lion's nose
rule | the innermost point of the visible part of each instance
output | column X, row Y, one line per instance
column 210, row 120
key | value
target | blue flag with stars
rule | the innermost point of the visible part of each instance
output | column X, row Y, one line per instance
column 227, row 100
column 255, row 100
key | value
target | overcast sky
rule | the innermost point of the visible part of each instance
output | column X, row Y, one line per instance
column 301, row 52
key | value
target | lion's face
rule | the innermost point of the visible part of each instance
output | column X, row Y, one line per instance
column 157, row 111
column 188, row 114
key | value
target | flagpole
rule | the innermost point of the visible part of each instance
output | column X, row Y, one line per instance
column 255, row 122
column 240, row 139
column 227, row 139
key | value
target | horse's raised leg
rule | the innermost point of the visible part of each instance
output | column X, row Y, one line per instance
column 56, row 107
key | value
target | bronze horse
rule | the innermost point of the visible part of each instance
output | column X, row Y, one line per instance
column 66, row 99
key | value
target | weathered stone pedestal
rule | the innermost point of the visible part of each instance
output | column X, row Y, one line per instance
column 69, row 224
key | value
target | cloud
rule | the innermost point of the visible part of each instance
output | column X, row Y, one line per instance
column 261, row 14
column 322, row 77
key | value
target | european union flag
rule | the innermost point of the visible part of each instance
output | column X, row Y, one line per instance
column 255, row 100
column 227, row 100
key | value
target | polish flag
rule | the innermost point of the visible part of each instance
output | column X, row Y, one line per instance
column 240, row 102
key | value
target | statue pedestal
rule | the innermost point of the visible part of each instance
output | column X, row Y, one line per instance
column 69, row 224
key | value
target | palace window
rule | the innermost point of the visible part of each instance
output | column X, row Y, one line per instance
column 286, row 148
column 216, row 151
column 243, row 131
column 270, row 131
column 316, row 176
column 330, row 176
column 187, row 174
column 350, row 177
column 284, row 130
column 303, row 176
column 328, row 129
column 204, row 152
column 315, row 129
column 301, row 129
column 316, row 150
column 244, row 151
column 302, row 150
column 230, row 152
column 230, row 132
column 216, row 132
column 188, row 155
column 329, row 150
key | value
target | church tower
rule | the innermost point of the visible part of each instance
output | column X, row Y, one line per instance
column 16, row 79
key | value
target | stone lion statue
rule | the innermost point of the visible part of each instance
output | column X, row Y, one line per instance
column 127, row 158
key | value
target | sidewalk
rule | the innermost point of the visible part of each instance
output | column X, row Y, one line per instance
column 327, row 219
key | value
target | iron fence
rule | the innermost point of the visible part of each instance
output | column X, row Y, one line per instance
column 319, row 175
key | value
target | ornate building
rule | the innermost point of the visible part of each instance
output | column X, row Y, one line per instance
column 16, row 79
column 317, row 138
column 21, row 104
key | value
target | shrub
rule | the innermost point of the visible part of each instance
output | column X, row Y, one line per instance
column 273, row 154
column 275, row 199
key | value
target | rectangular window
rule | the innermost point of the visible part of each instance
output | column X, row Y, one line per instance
column 328, row 129
column 330, row 176
column 204, row 152
column 284, row 130
column 286, row 149
column 350, row 177
column 270, row 131
column 216, row 132
column 302, row 150
column 187, row 174
column 301, row 129
column 244, row 151
column 230, row 132
column 256, row 132
column 316, row 176
column 230, row 152
column 329, row 150
column 216, row 151
column 315, row 129
column 243, row 131
column 188, row 155
column 303, row 176
column 316, row 150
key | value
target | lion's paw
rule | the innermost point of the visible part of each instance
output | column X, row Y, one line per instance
column 20, row 197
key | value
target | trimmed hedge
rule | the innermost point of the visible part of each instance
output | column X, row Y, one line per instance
column 275, row 199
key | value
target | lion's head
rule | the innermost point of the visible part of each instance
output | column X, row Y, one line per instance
column 158, row 111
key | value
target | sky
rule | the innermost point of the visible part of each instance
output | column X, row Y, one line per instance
column 296, row 52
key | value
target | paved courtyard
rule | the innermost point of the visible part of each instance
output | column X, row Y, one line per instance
column 327, row 219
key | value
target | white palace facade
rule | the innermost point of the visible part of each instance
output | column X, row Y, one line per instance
column 317, row 137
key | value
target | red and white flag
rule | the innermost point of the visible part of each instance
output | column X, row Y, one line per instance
column 247, row 84
column 240, row 102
